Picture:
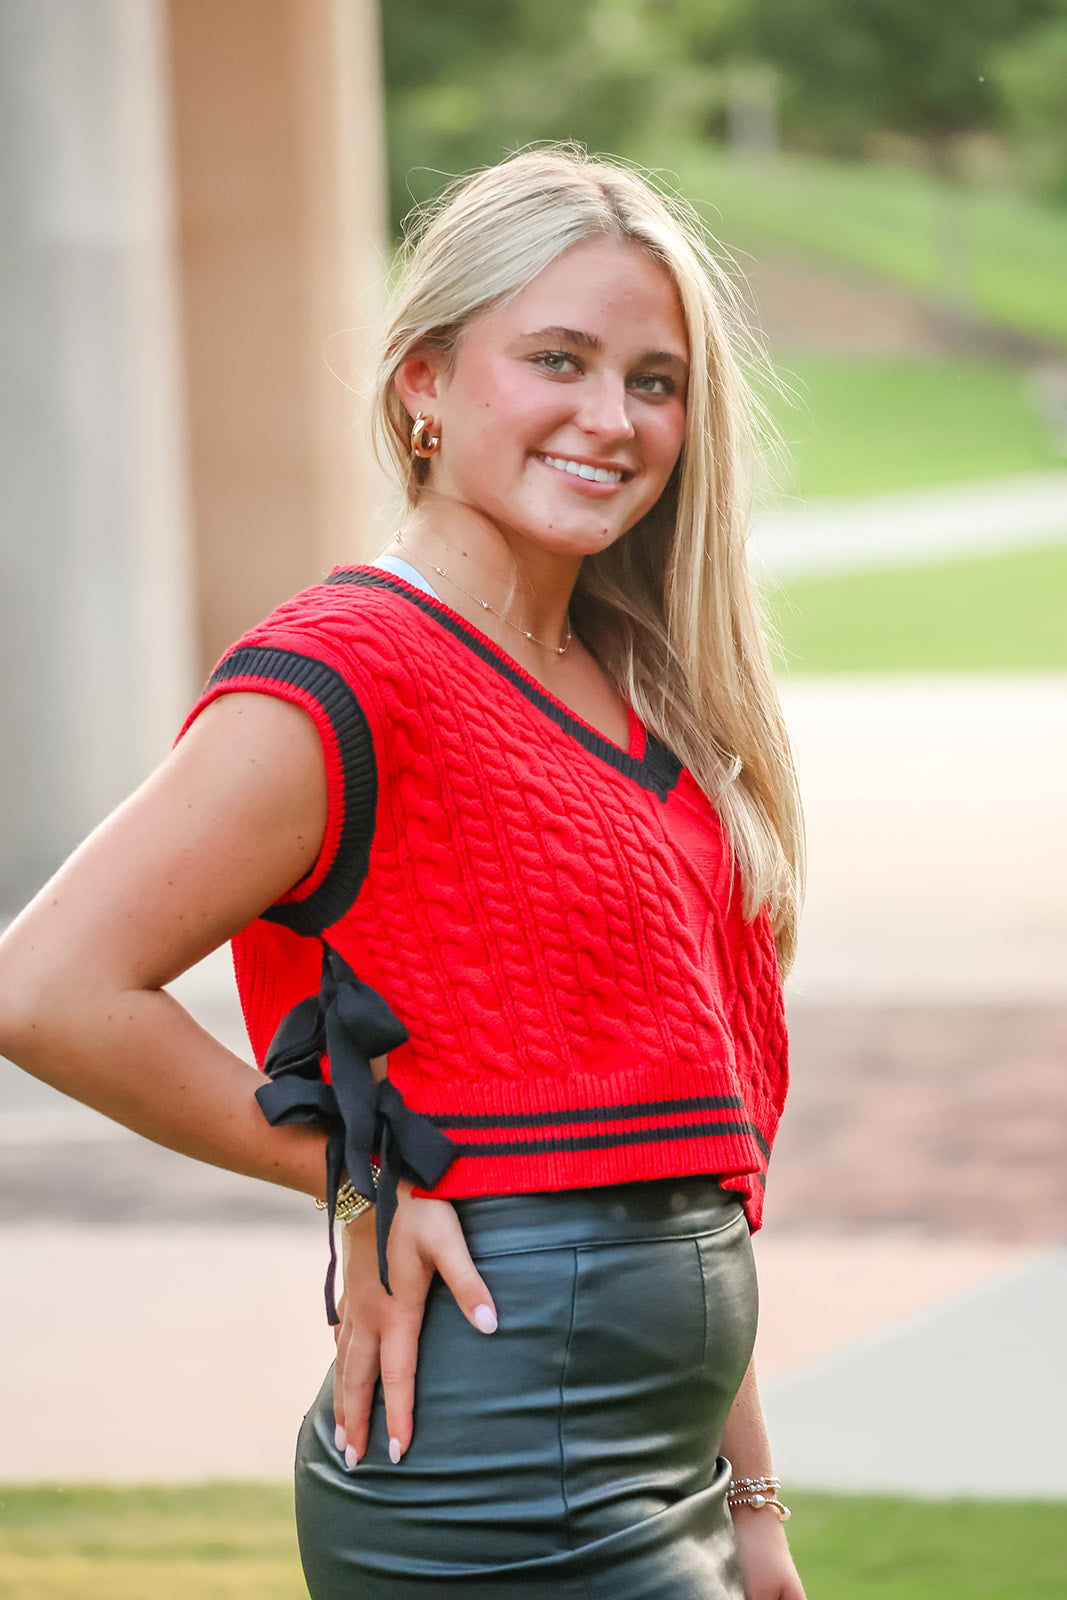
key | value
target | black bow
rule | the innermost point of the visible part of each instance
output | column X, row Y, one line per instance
column 351, row 1023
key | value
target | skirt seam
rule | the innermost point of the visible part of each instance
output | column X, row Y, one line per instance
column 562, row 1406
column 704, row 1298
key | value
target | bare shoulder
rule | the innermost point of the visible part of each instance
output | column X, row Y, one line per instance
column 265, row 750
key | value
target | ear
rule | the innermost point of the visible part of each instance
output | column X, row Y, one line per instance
column 416, row 381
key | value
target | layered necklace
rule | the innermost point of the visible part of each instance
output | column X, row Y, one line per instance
column 557, row 649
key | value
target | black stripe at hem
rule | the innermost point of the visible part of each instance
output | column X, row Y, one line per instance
column 609, row 1113
column 658, row 770
column 344, row 878
column 502, row 1148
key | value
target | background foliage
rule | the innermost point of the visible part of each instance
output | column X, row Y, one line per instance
column 468, row 79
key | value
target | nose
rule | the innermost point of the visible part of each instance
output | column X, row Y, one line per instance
column 604, row 411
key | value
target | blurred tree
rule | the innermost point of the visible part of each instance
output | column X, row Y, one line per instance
column 1030, row 77
column 905, row 66
column 901, row 66
column 468, row 80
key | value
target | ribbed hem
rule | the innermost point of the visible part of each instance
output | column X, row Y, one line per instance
column 522, row 1135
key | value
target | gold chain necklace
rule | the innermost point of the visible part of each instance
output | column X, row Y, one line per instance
column 557, row 649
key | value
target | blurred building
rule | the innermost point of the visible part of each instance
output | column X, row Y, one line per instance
column 192, row 239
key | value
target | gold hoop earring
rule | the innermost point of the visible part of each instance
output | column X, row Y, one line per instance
column 423, row 442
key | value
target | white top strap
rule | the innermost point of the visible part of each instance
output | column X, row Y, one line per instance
column 403, row 569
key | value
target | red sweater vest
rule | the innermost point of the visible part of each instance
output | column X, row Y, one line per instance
column 556, row 921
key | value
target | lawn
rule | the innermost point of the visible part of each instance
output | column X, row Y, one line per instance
column 883, row 222
column 236, row 1542
column 878, row 1548
column 225, row 1541
column 987, row 613
column 864, row 427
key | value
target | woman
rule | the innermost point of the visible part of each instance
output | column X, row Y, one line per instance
column 523, row 784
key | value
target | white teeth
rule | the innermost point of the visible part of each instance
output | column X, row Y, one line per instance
column 578, row 469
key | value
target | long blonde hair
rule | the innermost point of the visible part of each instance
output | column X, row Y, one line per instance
column 669, row 609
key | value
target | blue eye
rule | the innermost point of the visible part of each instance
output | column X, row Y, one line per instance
column 557, row 361
column 654, row 383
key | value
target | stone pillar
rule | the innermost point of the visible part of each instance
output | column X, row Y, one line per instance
column 282, row 230
column 96, row 652
column 193, row 239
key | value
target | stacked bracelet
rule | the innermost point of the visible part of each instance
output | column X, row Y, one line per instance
column 350, row 1203
column 757, row 1493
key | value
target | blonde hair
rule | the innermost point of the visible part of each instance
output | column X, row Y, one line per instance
column 669, row 609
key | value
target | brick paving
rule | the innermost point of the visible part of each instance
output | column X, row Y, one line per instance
column 937, row 1119
column 127, row 1182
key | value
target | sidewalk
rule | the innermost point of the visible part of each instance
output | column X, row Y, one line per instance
column 935, row 812
column 967, row 1398
column 917, row 525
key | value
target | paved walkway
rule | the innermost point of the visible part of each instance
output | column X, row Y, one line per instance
column 969, row 1397
column 918, row 525
column 935, row 810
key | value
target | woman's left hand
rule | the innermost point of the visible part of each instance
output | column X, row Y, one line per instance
column 766, row 1564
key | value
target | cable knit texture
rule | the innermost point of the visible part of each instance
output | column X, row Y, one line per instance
column 556, row 922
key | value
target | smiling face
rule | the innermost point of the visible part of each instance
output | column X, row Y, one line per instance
column 562, row 412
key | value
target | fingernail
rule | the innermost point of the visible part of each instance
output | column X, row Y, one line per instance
column 351, row 1459
column 340, row 1438
column 485, row 1319
column 394, row 1451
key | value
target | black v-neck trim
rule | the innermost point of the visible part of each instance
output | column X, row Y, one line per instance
column 657, row 770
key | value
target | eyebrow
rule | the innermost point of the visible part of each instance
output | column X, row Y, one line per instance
column 663, row 358
column 584, row 341
column 589, row 341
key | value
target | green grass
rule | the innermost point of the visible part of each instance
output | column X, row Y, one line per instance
column 988, row 613
column 856, row 428
column 225, row 1541
column 883, row 223
column 236, row 1542
column 878, row 1548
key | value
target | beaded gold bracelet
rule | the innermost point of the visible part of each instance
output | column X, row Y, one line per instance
column 350, row 1203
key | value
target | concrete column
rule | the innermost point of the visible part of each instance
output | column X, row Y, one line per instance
column 282, row 229
column 95, row 636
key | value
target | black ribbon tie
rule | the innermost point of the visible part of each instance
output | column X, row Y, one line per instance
column 350, row 1023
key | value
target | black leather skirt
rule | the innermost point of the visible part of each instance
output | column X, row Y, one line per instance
column 573, row 1454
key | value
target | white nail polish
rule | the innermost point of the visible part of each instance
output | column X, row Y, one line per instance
column 340, row 1438
column 394, row 1451
column 485, row 1319
column 351, row 1459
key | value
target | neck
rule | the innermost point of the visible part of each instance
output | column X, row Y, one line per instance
column 524, row 586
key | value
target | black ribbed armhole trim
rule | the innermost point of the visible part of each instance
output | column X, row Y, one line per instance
column 346, row 717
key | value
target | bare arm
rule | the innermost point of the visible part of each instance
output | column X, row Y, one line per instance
column 766, row 1563
column 229, row 822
